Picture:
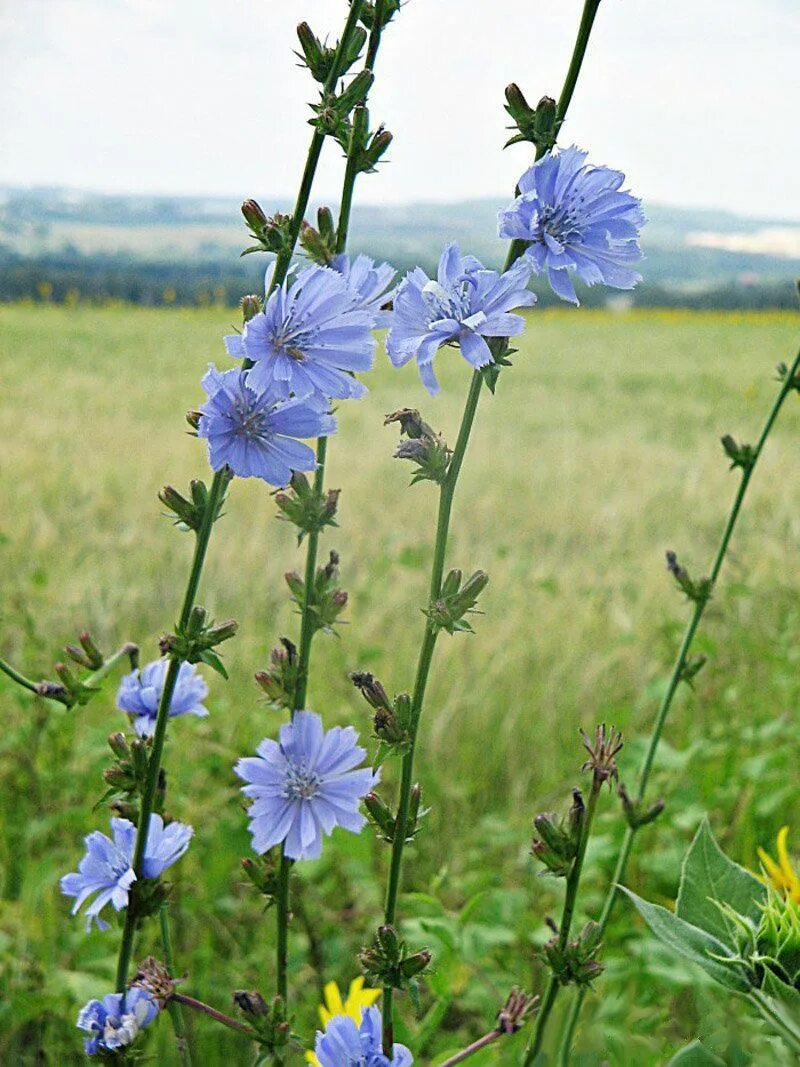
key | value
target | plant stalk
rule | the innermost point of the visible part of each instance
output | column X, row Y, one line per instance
column 159, row 736
column 516, row 249
column 567, row 914
column 787, row 386
column 212, row 1013
column 175, row 1011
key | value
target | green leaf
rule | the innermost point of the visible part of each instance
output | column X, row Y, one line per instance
column 693, row 943
column 779, row 1005
column 695, row 1055
column 214, row 662
column 709, row 875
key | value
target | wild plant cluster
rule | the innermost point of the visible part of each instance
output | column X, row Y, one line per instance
column 303, row 348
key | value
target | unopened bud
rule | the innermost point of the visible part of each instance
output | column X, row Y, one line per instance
column 251, row 306
column 254, row 215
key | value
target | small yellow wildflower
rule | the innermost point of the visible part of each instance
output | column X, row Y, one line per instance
column 781, row 875
column 358, row 998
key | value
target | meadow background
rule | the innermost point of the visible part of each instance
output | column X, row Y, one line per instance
column 599, row 452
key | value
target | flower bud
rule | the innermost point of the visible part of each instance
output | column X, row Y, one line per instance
column 250, row 1003
column 254, row 215
column 118, row 744
column 371, row 689
column 415, row 964
column 251, row 306
column 93, row 653
column 381, row 815
column 77, row 655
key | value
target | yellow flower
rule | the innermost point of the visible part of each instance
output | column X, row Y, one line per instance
column 781, row 875
column 358, row 998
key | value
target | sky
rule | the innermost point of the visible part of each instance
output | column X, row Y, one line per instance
column 696, row 100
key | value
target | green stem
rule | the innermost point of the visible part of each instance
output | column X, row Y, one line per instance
column 788, row 385
column 516, row 249
column 567, row 914
column 175, row 1012
column 772, row 1017
column 578, row 53
column 307, row 623
column 15, row 676
column 284, row 257
column 159, row 736
column 109, row 665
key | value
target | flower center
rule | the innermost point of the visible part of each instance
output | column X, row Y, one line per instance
column 300, row 783
column 251, row 421
column 452, row 303
column 561, row 220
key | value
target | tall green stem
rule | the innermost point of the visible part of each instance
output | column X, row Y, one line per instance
column 788, row 385
column 284, row 258
column 175, row 1010
column 568, row 911
column 307, row 623
column 516, row 249
column 159, row 736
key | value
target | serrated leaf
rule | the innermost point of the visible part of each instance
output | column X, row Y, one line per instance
column 693, row 943
column 695, row 1055
column 708, row 875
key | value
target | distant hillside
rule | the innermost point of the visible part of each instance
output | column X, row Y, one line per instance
column 100, row 245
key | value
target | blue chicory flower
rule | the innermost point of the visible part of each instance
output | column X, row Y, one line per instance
column 343, row 1044
column 304, row 785
column 253, row 432
column 107, row 867
column 464, row 306
column 309, row 339
column 115, row 1021
column 140, row 694
column 371, row 285
column 578, row 222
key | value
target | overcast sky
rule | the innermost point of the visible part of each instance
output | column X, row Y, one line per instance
column 696, row 100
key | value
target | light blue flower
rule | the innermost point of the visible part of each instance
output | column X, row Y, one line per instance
column 115, row 1021
column 254, row 433
column 465, row 305
column 140, row 694
column 578, row 222
column 107, row 867
column 343, row 1044
column 304, row 785
column 309, row 339
column 371, row 285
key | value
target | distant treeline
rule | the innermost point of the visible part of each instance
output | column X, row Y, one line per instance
column 99, row 279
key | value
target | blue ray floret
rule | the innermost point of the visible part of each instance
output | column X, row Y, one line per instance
column 253, row 432
column 107, row 868
column 370, row 283
column 115, row 1021
column 304, row 785
column 344, row 1044
column 140, row 694
column 578, row 222
column 309, row 340
column 465, row 305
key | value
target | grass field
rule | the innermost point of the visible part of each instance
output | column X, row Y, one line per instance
column 599, row 451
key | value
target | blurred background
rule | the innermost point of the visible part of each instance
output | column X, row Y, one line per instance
column 131, row 131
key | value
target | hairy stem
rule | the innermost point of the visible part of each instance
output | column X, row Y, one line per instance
column 476, row 1046
column 212, row 1013
column 567, row 913
column 787, row 386
column 159, row 736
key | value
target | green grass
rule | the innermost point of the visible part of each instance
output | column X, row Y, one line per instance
column 599, row 451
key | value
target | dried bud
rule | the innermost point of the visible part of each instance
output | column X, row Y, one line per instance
column 515, row 1011
column 602, row 752
column 636, row 814
column 155, row 978
column 250, row 1002
column 371, row 689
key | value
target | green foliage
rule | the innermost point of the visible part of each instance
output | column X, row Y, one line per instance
column 616, row 450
